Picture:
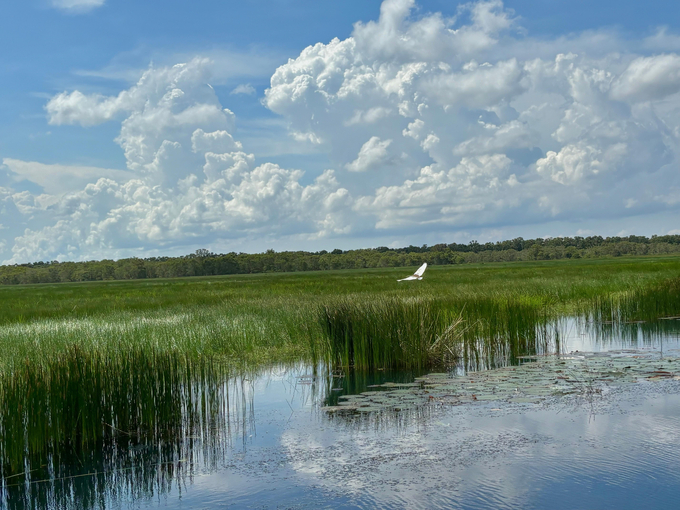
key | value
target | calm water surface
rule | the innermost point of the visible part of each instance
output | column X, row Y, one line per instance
column 279, row 450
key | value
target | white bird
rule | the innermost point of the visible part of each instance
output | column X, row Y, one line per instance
column 418, row 275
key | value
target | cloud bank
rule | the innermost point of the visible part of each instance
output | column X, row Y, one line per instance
column 432, row 124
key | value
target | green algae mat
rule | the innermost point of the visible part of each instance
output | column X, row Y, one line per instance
column 538, row 378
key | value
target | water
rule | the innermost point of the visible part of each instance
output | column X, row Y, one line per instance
column 277, row 449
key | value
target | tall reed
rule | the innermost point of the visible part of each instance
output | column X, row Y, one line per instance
column 639, row 303
column 383, row 332
column 81, row 399
column 389, row 332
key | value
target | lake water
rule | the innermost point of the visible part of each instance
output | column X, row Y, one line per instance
column 278, row 449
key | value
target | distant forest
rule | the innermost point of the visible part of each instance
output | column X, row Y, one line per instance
column 205, row 263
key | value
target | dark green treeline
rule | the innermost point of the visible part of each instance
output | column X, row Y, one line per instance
column 205, row 263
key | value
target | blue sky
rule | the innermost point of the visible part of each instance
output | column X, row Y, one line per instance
column 461, row 160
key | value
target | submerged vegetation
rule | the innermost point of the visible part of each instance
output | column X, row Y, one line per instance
column 83, row 366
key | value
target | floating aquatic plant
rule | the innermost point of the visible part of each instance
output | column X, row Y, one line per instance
column 539, row 378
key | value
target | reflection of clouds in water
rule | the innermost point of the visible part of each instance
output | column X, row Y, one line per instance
column 622, row 450
column 424, row 462
column 507, row 458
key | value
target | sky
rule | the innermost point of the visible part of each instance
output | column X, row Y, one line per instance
column 157, row 128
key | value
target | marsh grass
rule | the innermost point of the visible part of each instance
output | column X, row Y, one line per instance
column 180, row 434
column 388, row 333
column 382, row 333
column 83, row 366
column 639, row 304
column 80, row 400
column 70, row 386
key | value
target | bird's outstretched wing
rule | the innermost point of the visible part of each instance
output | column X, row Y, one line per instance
column 418, row 275
column 412, row 277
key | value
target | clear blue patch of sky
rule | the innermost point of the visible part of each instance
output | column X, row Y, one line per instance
column 551, row 17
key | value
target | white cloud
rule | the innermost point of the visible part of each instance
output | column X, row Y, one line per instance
column 396, row 37
column 368, row 116
column 451, row 197
column 649, row 79
column 576, row 163
column 372, row 154
column 244, row 88
column 58, row 179
column 485, row 137
column 77, row 6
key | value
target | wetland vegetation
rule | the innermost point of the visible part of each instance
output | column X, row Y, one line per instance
column 206, row 263
column 90, row 365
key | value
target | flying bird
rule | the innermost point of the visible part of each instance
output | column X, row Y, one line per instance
column 418, row 275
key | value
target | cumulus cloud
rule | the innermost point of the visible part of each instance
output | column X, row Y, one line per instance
column 244, row 88
column 397, row 37
column 434, row 124
column 372, row 154
column 485, row 137
column 187, row 178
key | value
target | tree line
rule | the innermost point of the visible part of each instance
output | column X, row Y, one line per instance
column 206, row 263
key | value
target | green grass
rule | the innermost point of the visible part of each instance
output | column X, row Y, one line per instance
column 564, row 281
column 80, row 399
column 132, row 355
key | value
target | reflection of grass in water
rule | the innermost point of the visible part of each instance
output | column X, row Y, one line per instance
column 545, row 377
column 644, row 303
column 643, row 314
column 132, row 421
column 79, row 399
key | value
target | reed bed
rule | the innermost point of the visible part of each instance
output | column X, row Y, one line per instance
column 69, row 386
column 171, row 415
column 388, row 333
column 384, row 333
column 640, row 304
column 80, row 400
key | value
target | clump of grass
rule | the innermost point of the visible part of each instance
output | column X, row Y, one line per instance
column 634, row 314
column 639, row 303
column 507, row 327
column 81, row 400
column 428, row 331
column 383, row 333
